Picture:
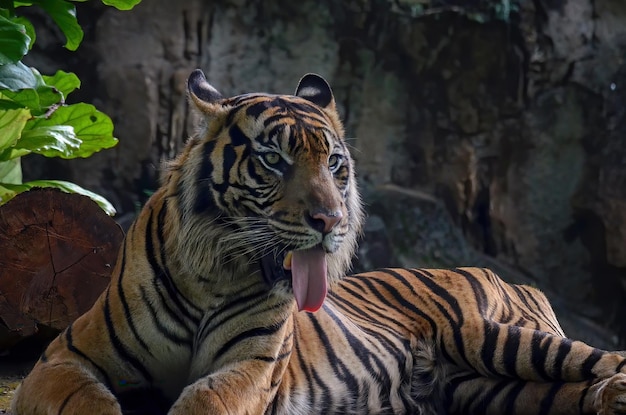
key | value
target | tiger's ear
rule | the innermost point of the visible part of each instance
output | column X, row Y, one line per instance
column 203, row 95
column 314, row 88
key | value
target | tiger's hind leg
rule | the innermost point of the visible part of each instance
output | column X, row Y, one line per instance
column 475, row 394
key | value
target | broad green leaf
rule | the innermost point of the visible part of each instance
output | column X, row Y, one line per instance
column 25, row 98
column 13, row 153
column 26, row 87
column 14, row 41
column 11, row 171
column 64, row 15
column 10, row 190
column 64, row 82
column 12, row 122
column 30, row 29
column 93, row 128
column 50, row 141
column 122, row 4
column 8, row 104
column 16, row 76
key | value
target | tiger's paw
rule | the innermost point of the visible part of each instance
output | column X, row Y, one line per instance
column 198, row 400
column 612, row 396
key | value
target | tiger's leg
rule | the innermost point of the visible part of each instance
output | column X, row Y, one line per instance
column 475, row 394
column 527, row 354
column 247, row 385
column 63, row 387
column 243, row 388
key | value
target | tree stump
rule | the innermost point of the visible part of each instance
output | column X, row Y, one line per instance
column 57, row 252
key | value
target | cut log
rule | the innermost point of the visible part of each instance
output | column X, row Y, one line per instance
column 57, row 252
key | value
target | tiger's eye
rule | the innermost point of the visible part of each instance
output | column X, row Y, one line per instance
column 271, row 158
column 334, row 161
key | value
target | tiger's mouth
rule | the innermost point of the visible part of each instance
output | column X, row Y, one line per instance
column 307, row 271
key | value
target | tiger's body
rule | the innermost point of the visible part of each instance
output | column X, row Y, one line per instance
column 218, row 303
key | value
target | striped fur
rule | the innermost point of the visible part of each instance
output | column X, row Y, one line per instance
column 201, row 316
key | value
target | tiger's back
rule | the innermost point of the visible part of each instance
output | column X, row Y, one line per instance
column 230, row 296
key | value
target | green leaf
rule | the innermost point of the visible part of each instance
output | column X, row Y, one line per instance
column 64, row 82
column 12, row 122
column 51, row 141
column 7, row 194
column 30, row 29
column 122, row 4
column 26, row 87
column 8, row 191
column 11, row 171
column 14, row 41
column 64, row 15
column 93, row 128
column 16, row 76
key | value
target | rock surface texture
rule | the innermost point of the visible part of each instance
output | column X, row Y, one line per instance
column 485, row 132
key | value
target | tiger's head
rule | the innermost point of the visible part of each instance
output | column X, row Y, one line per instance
column 269, row 183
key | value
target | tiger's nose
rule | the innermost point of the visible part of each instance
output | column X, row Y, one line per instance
column 324, row 222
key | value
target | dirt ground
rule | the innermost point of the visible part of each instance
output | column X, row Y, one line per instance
column 11, row 374
column 15, row 364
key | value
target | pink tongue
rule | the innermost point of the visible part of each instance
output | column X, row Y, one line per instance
column 308, row 271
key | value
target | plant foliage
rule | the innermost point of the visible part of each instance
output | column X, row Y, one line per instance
column 34, row 115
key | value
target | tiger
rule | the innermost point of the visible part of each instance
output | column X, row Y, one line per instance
column 230, row 295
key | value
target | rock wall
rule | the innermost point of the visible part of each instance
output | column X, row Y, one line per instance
column 485, row 132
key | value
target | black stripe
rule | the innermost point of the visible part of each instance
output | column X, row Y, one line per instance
column 325, row 398
column 169, row 335
column 204, row 201
column 255, row 110
column 590, row 362
column 70, row 346
column 240, row 305
column 73, row 393
column 399, row 298
column 122, row 297
column 539, row 353
column 247, row 334
column 167, row 279
column 564, row 348
column 237, row 137
column 511, row 349
column 548, row 400
column 583, row 396
column 162, row 276
column 482, row 401
column 477, row 287
column 512, row 396
column 427, row 279
column 451, row 389
column 340, row 370
column 303, row 367
column 380, row 321
column 488, row 350
column 538, row 309
column 119, row 346
column 361, row 351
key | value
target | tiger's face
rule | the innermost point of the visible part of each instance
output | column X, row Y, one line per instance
column 276, row 170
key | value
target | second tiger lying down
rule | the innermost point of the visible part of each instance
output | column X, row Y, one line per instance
column 229, row 297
